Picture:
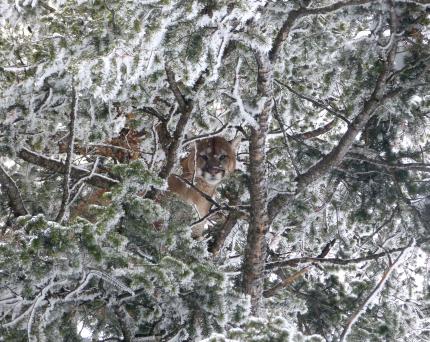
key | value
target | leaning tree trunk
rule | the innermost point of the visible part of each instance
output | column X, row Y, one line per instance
column 255, row 252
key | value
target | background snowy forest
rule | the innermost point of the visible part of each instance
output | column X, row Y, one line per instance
column 321, row 234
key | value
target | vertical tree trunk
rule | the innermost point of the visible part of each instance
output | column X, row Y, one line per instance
column 255, row 252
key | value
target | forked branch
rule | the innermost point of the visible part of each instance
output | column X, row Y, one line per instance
column 185, row 107
column 337, row 154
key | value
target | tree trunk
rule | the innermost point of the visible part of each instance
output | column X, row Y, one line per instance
column 255, row 252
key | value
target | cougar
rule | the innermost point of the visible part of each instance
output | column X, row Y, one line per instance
column 208, row 163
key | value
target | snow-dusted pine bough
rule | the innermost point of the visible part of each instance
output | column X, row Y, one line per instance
column 321, row 233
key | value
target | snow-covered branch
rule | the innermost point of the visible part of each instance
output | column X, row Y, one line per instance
column 335, row 261
column 185, row 108
column 316, row 102
column 53, row 165
column 360, row 310
column 69, row 157
column 423, row 167
column 287, row 281
column 12, row 191
column 301, row 12
column 337, row 153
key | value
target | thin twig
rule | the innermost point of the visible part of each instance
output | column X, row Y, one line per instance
column 423, row 167
column 308, row 134
column 81, row 184
column 335, row 261
column 285, row 136
column 354, row 317
column 209, row 214
column 291, row 279
column 68, row 163
column 204, row 195
column 315, row 102
column 204, row 136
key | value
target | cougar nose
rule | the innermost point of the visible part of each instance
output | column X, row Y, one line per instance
column 214, row 170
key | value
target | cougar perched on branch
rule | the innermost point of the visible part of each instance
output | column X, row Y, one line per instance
column 208, row 163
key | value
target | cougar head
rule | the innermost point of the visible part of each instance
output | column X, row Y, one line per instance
column 213, row 159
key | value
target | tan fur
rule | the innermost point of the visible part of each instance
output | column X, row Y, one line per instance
column 216, row 159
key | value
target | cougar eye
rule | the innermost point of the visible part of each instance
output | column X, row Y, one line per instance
column 222, row 156
column 204, row 156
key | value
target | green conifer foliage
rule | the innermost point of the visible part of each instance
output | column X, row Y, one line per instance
column 321, row 233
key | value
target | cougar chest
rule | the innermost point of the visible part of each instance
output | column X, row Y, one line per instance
column 206, row 165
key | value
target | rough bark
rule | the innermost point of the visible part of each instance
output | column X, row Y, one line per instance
column 15, row 200
column 221, row 233
column 255, row 251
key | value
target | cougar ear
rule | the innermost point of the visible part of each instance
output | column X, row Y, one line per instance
column 235, row 142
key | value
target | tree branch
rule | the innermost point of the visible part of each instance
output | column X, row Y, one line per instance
column 336, row 155
column 291, row 279
column 315, row 102
column 423, row 167
column 316, row 132
column 154, row 112
column 286, row 282
column 69, row 156
column 182, row 102
column 294, row 15
column 201, row 193
column 185, row 107
column 283, row 33
column 256, row 245
column 53, row 165
column 15, row 200
column 285, row 136
column 221, row 233
column 335, row 261
column 336, row 6
column 375, row 291
column 204, row 136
